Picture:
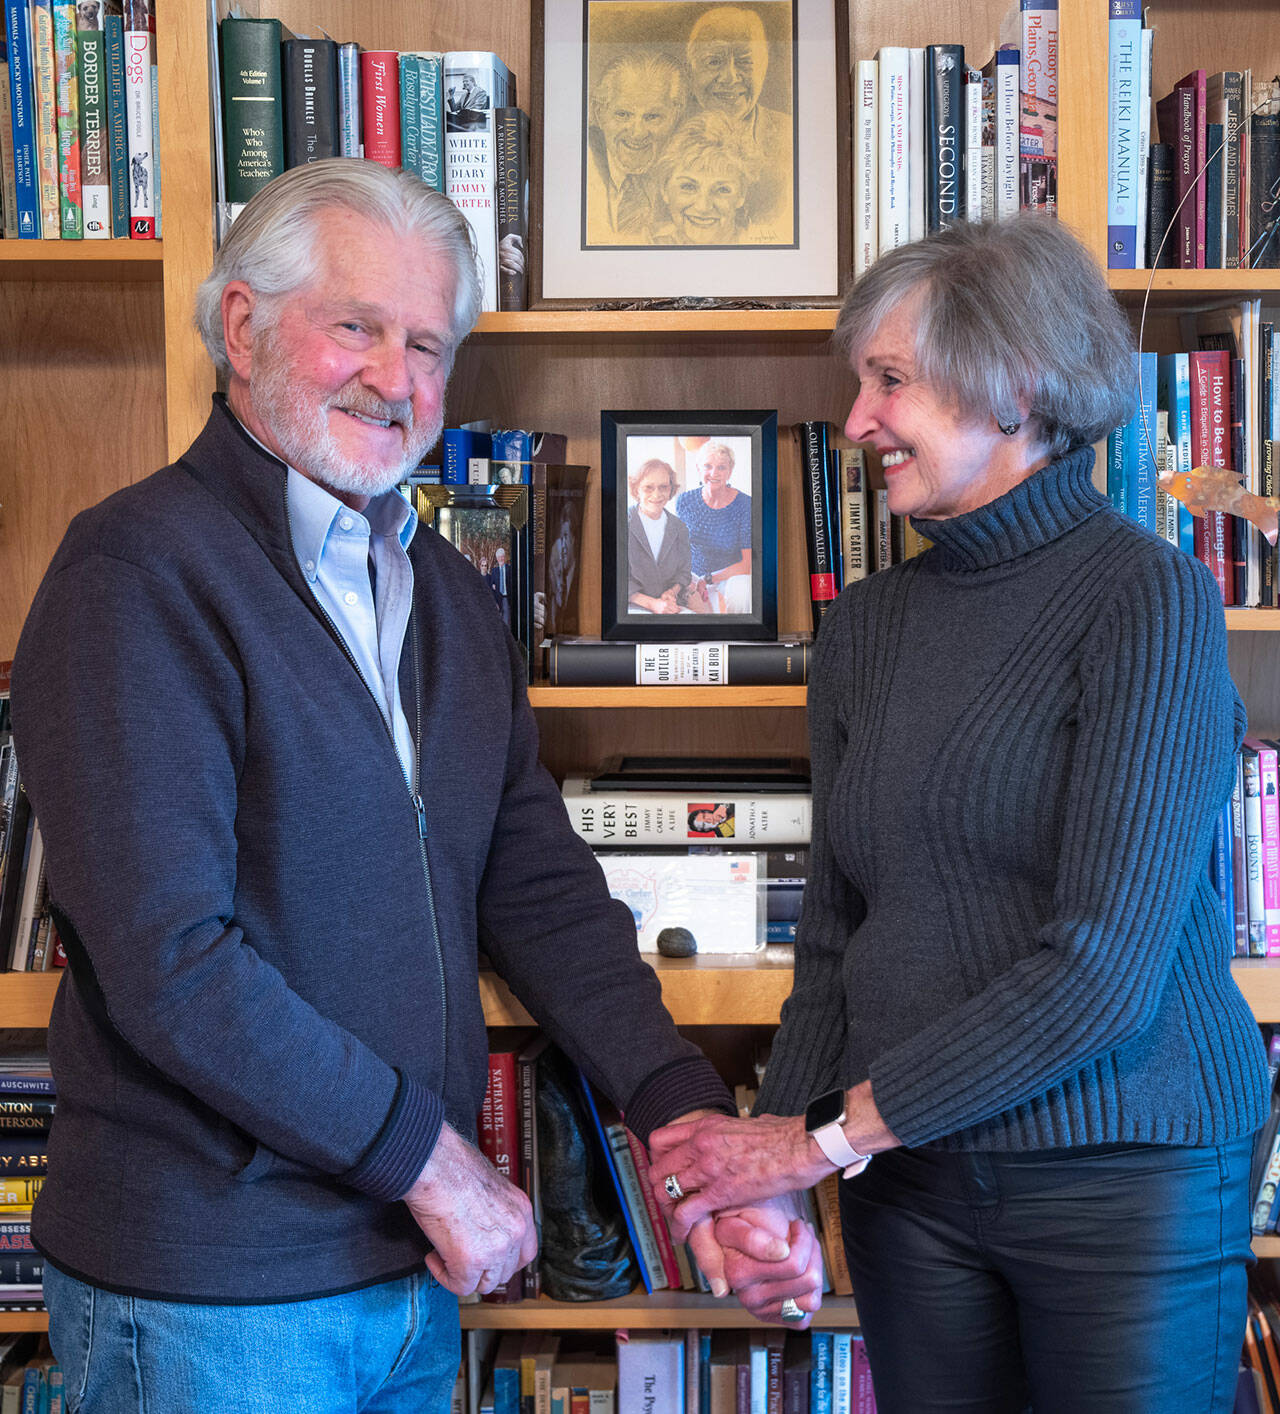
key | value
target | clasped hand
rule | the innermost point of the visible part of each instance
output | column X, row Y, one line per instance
column 741, row 1210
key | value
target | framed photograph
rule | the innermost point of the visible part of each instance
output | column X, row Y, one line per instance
column 690, row 148
column 689, row 536
column 489, row 525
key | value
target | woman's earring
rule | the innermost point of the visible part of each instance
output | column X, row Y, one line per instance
column 1010, row 429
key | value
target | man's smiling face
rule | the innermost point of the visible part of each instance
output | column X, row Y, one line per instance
column 348, row 372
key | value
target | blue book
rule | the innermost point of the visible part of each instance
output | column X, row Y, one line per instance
column 463, row 446
column 117, row 132
column 1143, row 464
column 1124, row 43
column 17, row 30
column 32, row 1383
column 431, row 118
column 603, row 1148
column 820, row 1372
column 1220, row 867
column 842, row 1372
column 704, row 1372
column 1173, row 394
column 1118, row 444
column 506, row 1389
column 513, row 445
column 54, row 1384
column 1213, row 175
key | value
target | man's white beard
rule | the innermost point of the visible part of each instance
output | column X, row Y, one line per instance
column 301, row 430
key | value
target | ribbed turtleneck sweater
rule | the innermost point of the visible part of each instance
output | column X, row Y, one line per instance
column 1020, row 741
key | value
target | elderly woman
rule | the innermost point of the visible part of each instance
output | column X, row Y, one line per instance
column 658, row 554
column 719, row 519
column 1012, row 982
column 702, row 177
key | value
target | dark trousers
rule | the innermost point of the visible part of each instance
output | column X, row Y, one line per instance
column 1105, row 1280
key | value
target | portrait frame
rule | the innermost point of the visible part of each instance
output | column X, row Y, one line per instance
column 803, row 263
column 469, row 516
column 723, row 611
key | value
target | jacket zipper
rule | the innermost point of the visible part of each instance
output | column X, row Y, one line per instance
column 415, row 797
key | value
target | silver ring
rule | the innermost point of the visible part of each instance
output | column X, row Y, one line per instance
column 672, row 1184
column 791, row 1310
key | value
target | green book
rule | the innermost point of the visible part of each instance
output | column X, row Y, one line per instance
column 431, row 118
column 252, row 105
column 117, row 134
column 70, row 206
column 410, row 141
column 95, row 164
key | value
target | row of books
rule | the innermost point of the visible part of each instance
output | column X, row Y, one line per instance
column 79, row 120
column 1245, row 860
column 28, row 938
column 1216, row 405
column 27, row 1107
column 31, row 1380
column 1197, row 189
column 452, row 118
column 667, row 1372
column 938, row 141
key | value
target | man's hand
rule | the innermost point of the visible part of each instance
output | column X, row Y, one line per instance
column 771, row 1254
column 480, row 1224
column 726, row 1163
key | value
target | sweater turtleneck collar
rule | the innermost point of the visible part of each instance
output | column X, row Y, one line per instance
column 1035, row 512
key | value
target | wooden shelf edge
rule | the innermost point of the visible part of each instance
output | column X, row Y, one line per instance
column 26, row 998
column 1190, row 284
column 542, row 695
column 1267, row 1246
column 628, row 323
column 81, row 260
column 1252, row 620
column 664, row 1310
column 24, row 1320
column 730, row 990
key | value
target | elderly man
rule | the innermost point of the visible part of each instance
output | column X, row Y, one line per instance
column 636, row 105
column 272, row 856
column 728, row 57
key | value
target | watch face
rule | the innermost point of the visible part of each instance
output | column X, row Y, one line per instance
column 826, row 1109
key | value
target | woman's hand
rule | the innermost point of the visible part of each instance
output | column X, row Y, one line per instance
column 771, row 1254
column 725, row 1163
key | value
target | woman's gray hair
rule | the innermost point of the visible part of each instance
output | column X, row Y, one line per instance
column 272, row 244
column 1015, row 314
column 722, row 448
column 634, row 478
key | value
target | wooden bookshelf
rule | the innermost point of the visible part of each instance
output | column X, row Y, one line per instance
column 664, row 1310
column 81, row 260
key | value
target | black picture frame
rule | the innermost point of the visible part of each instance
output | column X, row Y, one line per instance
column 476, row 520
column 725, row 607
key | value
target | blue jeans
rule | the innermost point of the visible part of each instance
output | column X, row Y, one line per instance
column 386, row 1349
column 1108, row 1280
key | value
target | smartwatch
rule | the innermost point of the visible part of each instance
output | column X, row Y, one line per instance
column 823, row 1117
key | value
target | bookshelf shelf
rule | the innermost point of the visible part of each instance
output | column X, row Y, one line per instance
column 633, row 323
column 24, row 1320
column 667, row 696
column 1187, row 288
column 1252, row 620
column 81, row 260
column 664, row 1310
column 745, row 989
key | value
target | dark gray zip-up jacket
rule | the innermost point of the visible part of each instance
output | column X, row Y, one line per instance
column 273, row 1002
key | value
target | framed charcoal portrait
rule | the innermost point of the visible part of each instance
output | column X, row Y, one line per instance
column 672, row 161
column 488, row 525
column 689, row 533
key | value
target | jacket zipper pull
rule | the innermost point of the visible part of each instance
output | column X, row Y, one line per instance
column 422, row 816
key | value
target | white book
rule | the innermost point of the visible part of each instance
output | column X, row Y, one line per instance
column 705, row 815
column 138, row 120
column 650, row 1371
column 759, row 1364
column 475, row 83
column 866, row 220
column 1006, row 135
column 917, row 153
column 1144, row 147
column 893, row 137
column 973, row 185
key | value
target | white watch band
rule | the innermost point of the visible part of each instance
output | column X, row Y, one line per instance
column 837, row 1148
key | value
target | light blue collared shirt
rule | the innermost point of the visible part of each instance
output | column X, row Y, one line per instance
column 332, row 544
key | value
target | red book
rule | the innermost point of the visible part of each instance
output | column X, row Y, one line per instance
column 1210, row 443
column 1182, row 117
column 499, row 1128
column 380, row 105
column 659, row 1224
